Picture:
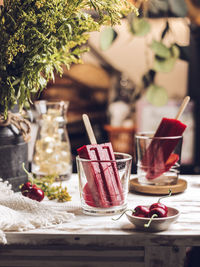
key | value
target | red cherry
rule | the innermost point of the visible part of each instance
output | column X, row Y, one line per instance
column 159, row 212
column 141, row 211
column 158, row 205
column 26, row 185
column 25, row 188
column 36, row 193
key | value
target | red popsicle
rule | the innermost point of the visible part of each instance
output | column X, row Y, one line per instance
column 102, row 177
column 159, row 157
column 87, row 195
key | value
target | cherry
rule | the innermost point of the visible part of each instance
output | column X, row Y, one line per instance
column 159, row 205
column 156, row 210
column 159, row 212
column 36, row 193
column 155, row 213
column 32, row 191
column 25, row 188
column 141, row 211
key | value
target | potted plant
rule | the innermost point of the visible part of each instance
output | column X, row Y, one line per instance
column 38, row 37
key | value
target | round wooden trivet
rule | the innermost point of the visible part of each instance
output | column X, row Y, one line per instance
column 157, row 189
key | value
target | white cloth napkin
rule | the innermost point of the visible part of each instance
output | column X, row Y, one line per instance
column 19, row 213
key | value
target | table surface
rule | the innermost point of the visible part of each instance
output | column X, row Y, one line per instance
column 186, row 230
column 90, row 241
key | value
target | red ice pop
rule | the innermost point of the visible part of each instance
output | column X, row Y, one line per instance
column 159, row 157
column 103, row 181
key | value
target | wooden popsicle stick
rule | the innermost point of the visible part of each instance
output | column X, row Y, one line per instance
column 89, row 129
column 182, row 107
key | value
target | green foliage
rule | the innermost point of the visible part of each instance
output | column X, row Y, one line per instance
column 165, row 57
column 140, row 26
column 160, row 49
column 46, row 183
column 51, row 190
column 156, row 95
column 164, row 60
column 39, row 36
column 107, row 37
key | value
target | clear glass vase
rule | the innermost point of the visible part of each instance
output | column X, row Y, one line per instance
column 52, row 150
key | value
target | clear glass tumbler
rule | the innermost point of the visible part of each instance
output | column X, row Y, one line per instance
column 52, row 150
column 104, row 184
column 158, row 159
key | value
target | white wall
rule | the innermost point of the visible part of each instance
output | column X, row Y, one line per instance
column 131, row 54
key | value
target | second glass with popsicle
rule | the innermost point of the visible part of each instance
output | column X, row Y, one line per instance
column 158, row 155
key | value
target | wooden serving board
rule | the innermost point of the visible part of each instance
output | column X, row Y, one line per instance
column 157, row 189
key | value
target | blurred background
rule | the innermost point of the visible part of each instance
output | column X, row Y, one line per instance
column 133, row 75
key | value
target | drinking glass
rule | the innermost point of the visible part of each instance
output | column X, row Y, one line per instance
column 158, row 159
column 104, row 184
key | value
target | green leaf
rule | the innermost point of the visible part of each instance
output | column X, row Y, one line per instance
column 140, row 26
column 160, row 49
column 107, row 37
column 156, row 95
column 166, row 65
column 175, row 52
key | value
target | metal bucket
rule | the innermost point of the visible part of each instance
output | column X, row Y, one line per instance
column 13, row 152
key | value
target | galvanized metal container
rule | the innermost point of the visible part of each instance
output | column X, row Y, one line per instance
column 13, row 152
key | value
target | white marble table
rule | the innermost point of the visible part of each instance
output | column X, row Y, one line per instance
column 96, row 241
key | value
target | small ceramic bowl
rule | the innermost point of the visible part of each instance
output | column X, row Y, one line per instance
column 157, row 224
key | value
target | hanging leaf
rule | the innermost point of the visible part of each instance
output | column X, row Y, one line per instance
column 107, row 37
column 156, row 95
column 160, row 49
column 175, row 51
column 166, row 64
column 140, row 26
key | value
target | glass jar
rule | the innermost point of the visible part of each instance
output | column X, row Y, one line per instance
column 52, row 150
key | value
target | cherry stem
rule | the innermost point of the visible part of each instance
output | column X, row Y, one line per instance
column 170, row 192
column 26, row 191
column 28, row 173
column 149, row 222
column 122, row 214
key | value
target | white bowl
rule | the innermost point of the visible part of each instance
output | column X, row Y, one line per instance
column 157, row 224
